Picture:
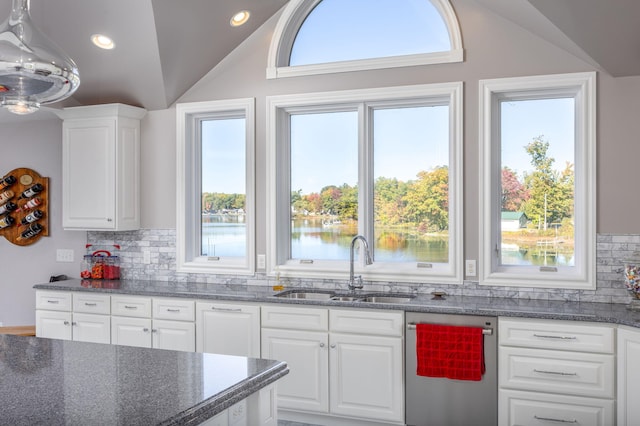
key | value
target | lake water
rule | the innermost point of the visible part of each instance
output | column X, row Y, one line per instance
column 225, row 235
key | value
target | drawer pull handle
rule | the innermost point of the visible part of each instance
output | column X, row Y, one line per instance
column 544, row 336
column 551, row 419
column 557, row 373
column 130, row 307
column 66, row 323
column 173, row 310
column 55, row 302
column 90, row 304
column 227, row 309
column 145, row 329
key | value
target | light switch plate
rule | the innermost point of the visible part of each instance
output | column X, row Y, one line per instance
column 470, row 268
column 64, row 255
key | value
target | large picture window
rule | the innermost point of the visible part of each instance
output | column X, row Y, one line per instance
column 215, row 231
column 538, row 186
column 383, row 163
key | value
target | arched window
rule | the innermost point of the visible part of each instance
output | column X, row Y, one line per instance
column 327, row 36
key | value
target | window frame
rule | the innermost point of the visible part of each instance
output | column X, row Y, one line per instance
column 278, row 181
column 582, row 87
column 294, row 16
column 189, row 183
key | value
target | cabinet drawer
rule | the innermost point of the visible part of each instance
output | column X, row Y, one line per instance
column 561, row 335
column 131, row 306
column 381, row 323
column 584, row 374
column 529, row 408
column 92, row 303
column 174, row 309
column 53, row 300
column 295, row 318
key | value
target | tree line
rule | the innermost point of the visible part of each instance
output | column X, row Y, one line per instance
column 423, row 202
column 545, row 195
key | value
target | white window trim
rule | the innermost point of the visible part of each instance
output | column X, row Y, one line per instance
column 583, row 87
column 278, row 109
column 188, row 187
column 296, row 12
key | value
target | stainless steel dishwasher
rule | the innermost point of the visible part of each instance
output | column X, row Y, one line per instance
column 446, row 402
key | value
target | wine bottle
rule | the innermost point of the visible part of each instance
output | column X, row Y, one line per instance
column 30, row 192
column 7, row 181
column 34, row 202
column 32, row 217
column 8, row 207
column 6, row 221
column 6, row 195
column 33, row 230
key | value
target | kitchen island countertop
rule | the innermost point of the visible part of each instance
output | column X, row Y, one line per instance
column 614, row 313
column 57, row 382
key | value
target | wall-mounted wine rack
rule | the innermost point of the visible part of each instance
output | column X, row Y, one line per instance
column 25, row 226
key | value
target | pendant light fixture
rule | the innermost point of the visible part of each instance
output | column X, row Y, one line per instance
column 33, row 70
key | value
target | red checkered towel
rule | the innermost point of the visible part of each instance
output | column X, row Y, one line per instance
column 450, row 351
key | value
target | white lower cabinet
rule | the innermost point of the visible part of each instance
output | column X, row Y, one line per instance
column 345, row 363
column 145, row 324
column 228, row 328
column 628, row 376
column 544, row 409
column 306, row 387
column 73, row 316
column 555, row 372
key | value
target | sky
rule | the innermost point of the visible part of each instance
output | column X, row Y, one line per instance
column 406, row 140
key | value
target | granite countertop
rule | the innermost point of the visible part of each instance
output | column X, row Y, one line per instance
column 58, row 382
column 614, row 313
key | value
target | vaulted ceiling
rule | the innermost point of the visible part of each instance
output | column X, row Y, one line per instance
column 163, row 47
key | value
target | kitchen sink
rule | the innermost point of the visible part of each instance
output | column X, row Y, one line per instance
column 305, row 294
column 333, row 296
column 387, row 299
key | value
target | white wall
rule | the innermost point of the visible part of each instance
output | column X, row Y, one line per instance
column 37, row 146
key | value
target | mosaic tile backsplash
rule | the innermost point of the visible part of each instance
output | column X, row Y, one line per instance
column 161, row 245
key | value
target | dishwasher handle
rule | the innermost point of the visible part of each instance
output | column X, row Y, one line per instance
column 485, row 331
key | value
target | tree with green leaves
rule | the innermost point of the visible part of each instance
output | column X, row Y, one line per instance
column 550, row 193
column 428, row 199
column 389, row 201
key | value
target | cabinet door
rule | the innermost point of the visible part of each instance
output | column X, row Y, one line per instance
column 228, row 329
column 53, row 324
column 91, row 328
column 174, row 335
column 628, row 374
column 306, row 386
column 131, row 331
column 88, row 174
column 366, row 376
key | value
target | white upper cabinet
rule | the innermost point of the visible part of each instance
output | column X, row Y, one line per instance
column 101, row 167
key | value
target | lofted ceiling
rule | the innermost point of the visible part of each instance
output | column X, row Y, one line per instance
column 163, row 47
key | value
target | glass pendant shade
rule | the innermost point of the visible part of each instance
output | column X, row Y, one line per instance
column 33, row 70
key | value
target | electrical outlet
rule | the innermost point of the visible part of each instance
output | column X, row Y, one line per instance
column 470, row 268
column 262, row 261
column 64, row 255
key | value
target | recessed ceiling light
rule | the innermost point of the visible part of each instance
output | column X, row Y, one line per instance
column 240, row 18
column 102, row 41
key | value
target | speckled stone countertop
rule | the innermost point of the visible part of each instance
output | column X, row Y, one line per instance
column 511, row 307
column 57, row 382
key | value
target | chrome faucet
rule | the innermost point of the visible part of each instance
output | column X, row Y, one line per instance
column 352, row 279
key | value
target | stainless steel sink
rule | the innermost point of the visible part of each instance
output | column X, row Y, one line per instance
column 347, row 298
column 351, row 297
column 387, row 299
column 305, row 294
